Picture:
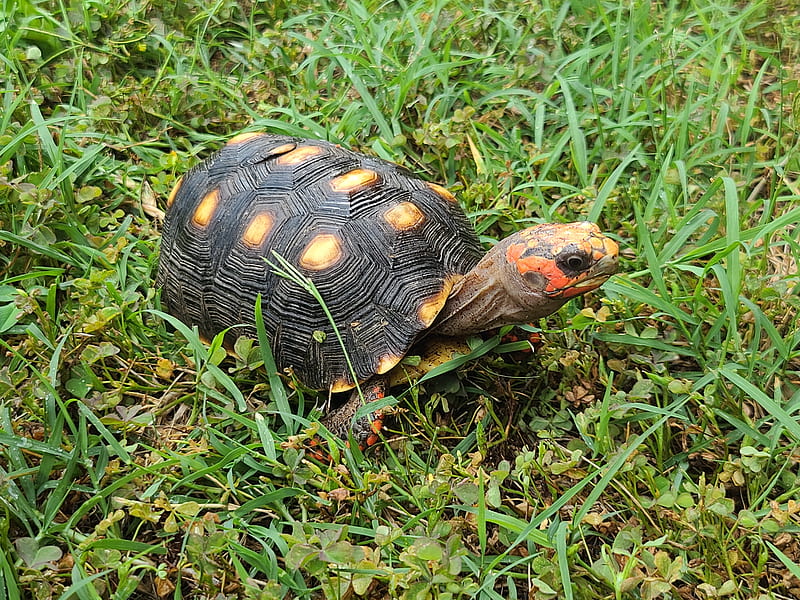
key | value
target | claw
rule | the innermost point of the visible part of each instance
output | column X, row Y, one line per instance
column 366, row 429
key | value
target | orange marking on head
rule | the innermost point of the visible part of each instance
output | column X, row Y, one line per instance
column 243, row 137
column 258, row 230
column 443, row 192
column 542, row 247
column 353, row 180
column 598, row 243
column 205, row 210
column 603, row 246
column 174, row 192
column 570, row 292
column 323, row 251
column 299, row 155
column 514, row 251
column 430, row 308
column 555, row 277
column 597, row 254
column 547, row 267
column 404, row 216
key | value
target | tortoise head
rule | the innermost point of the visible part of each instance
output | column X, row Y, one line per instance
column 530, row 275
column 560, row 260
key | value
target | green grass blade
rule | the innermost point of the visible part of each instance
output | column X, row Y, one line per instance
column 793, row 567
column 789, row 424
column 9, row 590
column 610, row 184
column 275, row 384
column 563, row 560
column 104, row 432
column 576, row 135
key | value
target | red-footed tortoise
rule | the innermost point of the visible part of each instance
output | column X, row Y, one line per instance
column 394, row 258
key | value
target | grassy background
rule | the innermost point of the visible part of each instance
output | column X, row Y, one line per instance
column 647, row 449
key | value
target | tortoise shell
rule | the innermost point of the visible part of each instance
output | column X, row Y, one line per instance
column 382, row 247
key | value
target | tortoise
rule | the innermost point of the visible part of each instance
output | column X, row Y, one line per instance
column 393, row 258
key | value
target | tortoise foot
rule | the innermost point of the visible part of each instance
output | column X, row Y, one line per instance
column 366, row 428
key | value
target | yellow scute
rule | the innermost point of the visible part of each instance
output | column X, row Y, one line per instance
column 386, row 363
column 206, row 209
column 300, row 155
column 353, row 180
column 243, row 137
column 323, row 251
column 404, row 216
column 432, row 306
column 258, row 230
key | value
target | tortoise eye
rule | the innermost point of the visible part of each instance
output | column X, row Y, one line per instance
column 578, row 261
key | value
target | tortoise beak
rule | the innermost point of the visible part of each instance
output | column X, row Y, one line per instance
column 600, row 272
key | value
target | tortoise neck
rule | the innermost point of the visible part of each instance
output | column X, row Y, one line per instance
column 484, row 299
column 471, row 307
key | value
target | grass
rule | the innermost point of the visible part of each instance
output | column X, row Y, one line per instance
column 649, row 448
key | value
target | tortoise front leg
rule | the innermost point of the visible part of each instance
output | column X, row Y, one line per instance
column 365, row 429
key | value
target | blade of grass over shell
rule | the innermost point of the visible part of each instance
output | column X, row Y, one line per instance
column 290, row 272
column 451, row 365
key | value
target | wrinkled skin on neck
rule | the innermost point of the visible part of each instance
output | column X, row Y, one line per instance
column 527, row 276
